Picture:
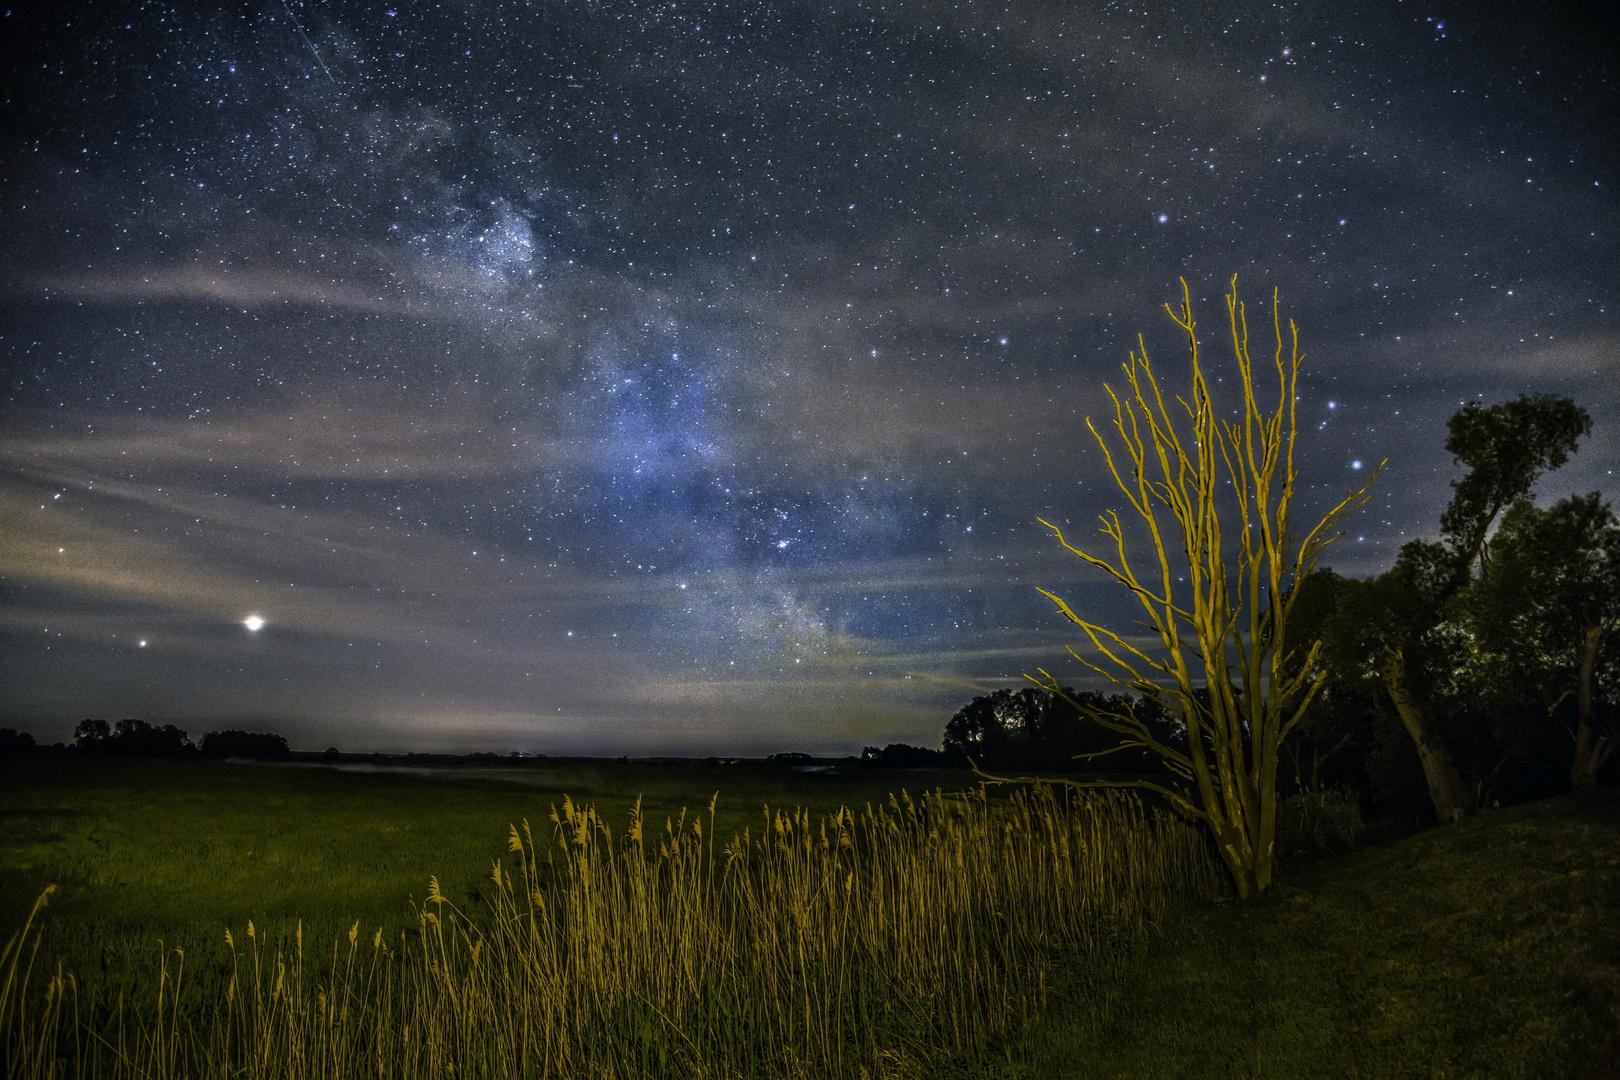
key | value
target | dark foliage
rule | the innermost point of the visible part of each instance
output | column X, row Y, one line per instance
column 1037, row 730
column 1506, row 448
column 904, row 756
column 1480, row 632
column 131, row 738
column 244, row 744
column 13, row 741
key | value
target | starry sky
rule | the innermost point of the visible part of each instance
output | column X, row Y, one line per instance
column 680, row 378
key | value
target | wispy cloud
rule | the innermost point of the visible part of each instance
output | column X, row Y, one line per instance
column 247, row 287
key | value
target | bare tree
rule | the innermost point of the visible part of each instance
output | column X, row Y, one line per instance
column 1224, row 664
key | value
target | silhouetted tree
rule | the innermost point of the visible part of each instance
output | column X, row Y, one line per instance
column 1336, row 727
column 1506, row 447
column 246, row 744
column 13, row 741
column 92, row 736
column 1039, row 729
column 131, row 738
column 1382, row 633
column 906, row 756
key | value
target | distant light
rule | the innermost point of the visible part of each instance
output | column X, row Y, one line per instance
column 1163, row 218
column 1355, row 464
column 143, row 643
column 253, row 622
column 1333, row 404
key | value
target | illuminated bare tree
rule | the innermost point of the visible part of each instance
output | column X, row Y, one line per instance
column 1226, row 668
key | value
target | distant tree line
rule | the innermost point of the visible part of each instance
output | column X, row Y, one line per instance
column 137, row 738
column 906, row 756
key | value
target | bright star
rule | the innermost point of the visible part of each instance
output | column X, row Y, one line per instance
column 253, row 622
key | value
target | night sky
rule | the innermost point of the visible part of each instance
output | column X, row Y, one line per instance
column 636, row 378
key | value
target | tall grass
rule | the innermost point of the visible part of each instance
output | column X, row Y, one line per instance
column 853, row 945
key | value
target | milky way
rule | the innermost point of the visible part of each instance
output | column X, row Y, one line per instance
column 634, row 378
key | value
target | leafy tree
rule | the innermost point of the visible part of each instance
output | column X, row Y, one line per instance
column 1038, row 729
column 246, row 744
column 1392, row 630
column 1224, row 489
column 92, row 736
column 1544, row 611
column 1336, row 727
column 131, row 738
column 1381, row 633
column 1507, row 448
column 137, row 738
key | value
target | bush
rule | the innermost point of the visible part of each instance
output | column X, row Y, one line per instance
column 1314, row 824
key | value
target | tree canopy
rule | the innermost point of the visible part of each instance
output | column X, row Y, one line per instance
column 1545, row 610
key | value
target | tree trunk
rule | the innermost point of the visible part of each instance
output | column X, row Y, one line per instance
column 1591, row 749
column 1249, row 863
column 1450, row 794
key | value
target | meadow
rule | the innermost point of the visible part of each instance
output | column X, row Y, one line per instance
column 216, row 914
column 954, row 934
column 151, row 849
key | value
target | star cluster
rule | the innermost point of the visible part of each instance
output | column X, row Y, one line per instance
column 678, row 377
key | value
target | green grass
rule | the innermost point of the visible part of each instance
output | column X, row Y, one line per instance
column 890, row 940
column 144, row 851
column 1485, row 949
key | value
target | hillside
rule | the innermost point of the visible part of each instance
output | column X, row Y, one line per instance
column 1485, row 949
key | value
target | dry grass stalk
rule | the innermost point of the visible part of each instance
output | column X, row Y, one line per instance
column 858, row 945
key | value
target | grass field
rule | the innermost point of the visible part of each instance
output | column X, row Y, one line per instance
column 150, row 850
column 1486, row 949
column 212, row 917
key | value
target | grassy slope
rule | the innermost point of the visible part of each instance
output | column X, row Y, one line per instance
column 1485, row 949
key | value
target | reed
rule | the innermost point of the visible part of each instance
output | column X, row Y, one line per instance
column 854, row 945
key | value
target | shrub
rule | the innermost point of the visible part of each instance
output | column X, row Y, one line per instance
column 1314, row 824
